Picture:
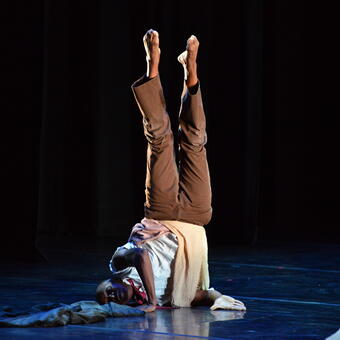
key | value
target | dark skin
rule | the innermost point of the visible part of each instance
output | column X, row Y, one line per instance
column 139, row 258
column 117, row 291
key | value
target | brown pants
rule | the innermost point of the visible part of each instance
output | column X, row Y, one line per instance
column 174, row 192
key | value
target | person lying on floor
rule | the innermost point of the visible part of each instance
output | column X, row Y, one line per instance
column 164, row 262
column 143, row 272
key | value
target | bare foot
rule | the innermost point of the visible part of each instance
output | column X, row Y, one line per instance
column 188, row 60
column 153, row 52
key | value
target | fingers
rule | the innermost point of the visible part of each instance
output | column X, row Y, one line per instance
column 147, row 308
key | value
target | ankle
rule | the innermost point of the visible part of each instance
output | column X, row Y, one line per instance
column 191, row 80
column 193, row 89
column 152, row 69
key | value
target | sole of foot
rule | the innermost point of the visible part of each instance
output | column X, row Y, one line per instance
column 151, row 45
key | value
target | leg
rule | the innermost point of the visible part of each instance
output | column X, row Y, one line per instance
column 161, row 185
column 194, row 186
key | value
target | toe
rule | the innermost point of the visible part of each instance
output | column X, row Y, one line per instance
column 148, row 34
column 192, row 43
column 155, row 36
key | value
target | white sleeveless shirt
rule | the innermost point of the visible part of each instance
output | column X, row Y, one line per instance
column 162, row 253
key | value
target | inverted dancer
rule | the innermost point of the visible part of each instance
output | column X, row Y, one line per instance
column 164, row 262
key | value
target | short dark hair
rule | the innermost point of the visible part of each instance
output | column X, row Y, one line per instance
column 100, row 292
column 101, row 298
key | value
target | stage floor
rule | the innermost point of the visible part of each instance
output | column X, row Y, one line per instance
column 290, row 291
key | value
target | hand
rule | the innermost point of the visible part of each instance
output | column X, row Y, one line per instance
column 228, row 302
column 147, row 308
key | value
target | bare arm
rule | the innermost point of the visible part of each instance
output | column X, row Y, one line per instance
column 205, row 297
column 139, row 258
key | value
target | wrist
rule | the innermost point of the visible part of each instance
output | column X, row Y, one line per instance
column 153, row 302
column 213, row 294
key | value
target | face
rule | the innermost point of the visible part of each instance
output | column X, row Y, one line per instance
column 116, row 292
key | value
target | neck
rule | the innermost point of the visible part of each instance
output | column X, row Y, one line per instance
column 130, row 292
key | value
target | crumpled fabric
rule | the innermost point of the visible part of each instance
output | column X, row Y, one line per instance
column 53, row 315
column 146, row 231
column 191, row 270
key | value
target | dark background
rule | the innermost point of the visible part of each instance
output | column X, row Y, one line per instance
column 72, row 144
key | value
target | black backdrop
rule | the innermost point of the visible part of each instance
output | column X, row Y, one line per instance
column 73, row 147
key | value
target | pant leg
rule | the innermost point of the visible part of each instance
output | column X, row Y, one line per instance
column 194, row 177
column 161, row 183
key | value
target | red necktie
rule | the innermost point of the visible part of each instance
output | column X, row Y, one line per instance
column 140, row 296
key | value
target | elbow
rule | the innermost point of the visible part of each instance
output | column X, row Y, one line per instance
column 141, row 256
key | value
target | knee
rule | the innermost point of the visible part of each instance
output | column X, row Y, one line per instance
column 141, row 256
column 159, row 139
column 205, row 217
column 194, row 139
column 156, row 129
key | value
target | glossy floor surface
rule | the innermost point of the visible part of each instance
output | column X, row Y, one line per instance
column 291, row 292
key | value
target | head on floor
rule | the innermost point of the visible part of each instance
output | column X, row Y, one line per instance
column 113, row 290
